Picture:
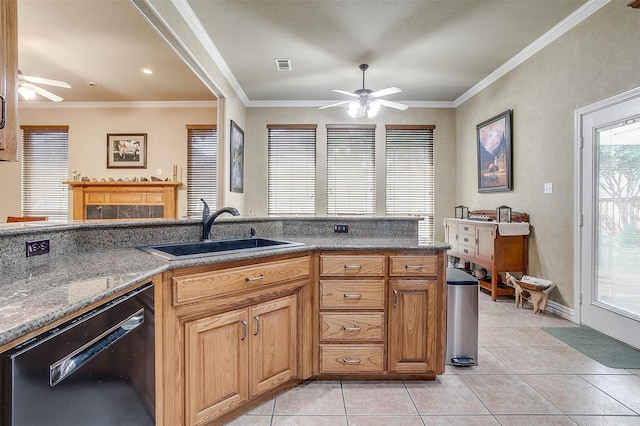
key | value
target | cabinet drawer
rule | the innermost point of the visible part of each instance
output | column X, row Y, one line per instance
column 466, row 250
column 466, row 229
column 466, row 239
column 351, row 358
column 351, row 266
column 413, row 265
column 189, row 288
column 352, row 294
column 351, row 326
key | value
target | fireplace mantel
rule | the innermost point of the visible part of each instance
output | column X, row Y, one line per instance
column 124, row 200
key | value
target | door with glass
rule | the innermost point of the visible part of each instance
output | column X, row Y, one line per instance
column 609, row 238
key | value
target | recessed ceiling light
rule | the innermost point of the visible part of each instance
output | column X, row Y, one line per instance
column 146, row 70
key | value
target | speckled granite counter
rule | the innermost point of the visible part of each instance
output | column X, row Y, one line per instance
column 36, row 293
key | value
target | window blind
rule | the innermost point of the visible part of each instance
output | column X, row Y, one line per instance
column 202, row 168
column 292, row 170
column 45, row 165
column 410, row 175
column 351, row 185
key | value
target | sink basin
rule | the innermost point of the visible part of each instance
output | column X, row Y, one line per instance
column 215, row 247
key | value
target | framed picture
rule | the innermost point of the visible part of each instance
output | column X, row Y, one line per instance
column 126, row 150
column 237, row 158
column 495, row 172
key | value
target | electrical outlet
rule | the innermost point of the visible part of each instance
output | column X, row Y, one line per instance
column 548, row 188
column 35, row 248
column 341, row 228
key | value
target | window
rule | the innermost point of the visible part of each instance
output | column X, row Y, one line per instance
column 351, row 184
column 409, row 175
column 202, row 168
column 45, row 165
column 292, row 169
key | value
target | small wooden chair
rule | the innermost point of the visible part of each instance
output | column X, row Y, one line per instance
column 25, row 218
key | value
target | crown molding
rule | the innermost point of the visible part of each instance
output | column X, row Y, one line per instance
column 95, row 105
column 588, row 9
column 318, row 104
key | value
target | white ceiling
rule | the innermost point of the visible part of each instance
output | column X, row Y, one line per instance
column 434, row 50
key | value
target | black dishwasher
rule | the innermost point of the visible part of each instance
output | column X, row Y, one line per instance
column 96, row 369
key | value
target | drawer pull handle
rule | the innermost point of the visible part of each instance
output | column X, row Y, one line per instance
column 413, row 266
column 259, row 277
column 351, row 361
column 244, row 329
column 466, row 228
column 395, row 298
column 466, row 250
column 356, row 328
column 352, row 266
column 353, row 296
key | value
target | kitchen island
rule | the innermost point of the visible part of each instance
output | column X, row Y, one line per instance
column 93, row 263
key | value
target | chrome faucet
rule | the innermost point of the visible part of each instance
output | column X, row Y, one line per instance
column 207, row 219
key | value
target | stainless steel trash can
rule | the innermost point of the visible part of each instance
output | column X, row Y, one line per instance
column 462, row 318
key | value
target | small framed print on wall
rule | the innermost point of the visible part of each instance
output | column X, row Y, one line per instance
column 126, row 150
column 495, row 171
column 237, row 158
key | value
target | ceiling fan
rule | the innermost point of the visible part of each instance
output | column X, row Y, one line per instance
column 27, row 87
column 368, row 101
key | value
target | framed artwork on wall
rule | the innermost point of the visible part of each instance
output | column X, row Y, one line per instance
column 237, row 158
column 495, row 172
column 126, row 150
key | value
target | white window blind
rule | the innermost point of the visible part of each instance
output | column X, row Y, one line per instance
column 45, row 165
column 292, row 169
column 202, row 168
column 351, row 184
column 410, row 176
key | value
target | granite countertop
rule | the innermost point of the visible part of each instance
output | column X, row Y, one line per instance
column 33, row 297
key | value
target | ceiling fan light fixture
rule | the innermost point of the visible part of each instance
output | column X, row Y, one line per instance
column 353, row 109
column 373, row 108
column 26, row 93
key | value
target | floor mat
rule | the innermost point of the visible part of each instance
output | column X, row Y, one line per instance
column 595, row 345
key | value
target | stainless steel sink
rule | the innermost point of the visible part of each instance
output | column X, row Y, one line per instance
column 215, row 247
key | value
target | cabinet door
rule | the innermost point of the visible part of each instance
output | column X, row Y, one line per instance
column 451, row 235
column 9, row 79
column 412, row 319
column 274, row 333
column 485, row 236
column 216, row 357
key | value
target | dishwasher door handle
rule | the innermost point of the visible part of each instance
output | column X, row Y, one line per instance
column 61, row 369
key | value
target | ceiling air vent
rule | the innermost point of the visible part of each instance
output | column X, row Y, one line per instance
column 283, row 64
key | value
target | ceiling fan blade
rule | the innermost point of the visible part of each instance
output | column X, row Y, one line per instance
column 336, row 104
column 42, row 92
column 47, row 81
column 391, row 104
column 344, row 92
column 385, row 92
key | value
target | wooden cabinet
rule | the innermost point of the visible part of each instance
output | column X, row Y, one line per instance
column 9, row 80
column 482, row 244
column 228, row 339
column 237, row 355
column 379, row 316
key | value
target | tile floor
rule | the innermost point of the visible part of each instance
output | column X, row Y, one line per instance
column 524, row 377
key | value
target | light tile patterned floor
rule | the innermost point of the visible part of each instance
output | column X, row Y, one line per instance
column 524, row 377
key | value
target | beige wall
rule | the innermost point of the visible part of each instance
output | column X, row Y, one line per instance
column 256, row 152
column 88, row 128
column 597, row 59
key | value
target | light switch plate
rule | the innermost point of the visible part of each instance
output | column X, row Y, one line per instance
column 548, row 188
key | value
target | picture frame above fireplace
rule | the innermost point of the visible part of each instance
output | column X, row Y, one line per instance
column 126, row 151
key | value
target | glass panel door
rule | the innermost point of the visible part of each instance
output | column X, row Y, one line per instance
column 609, row 239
